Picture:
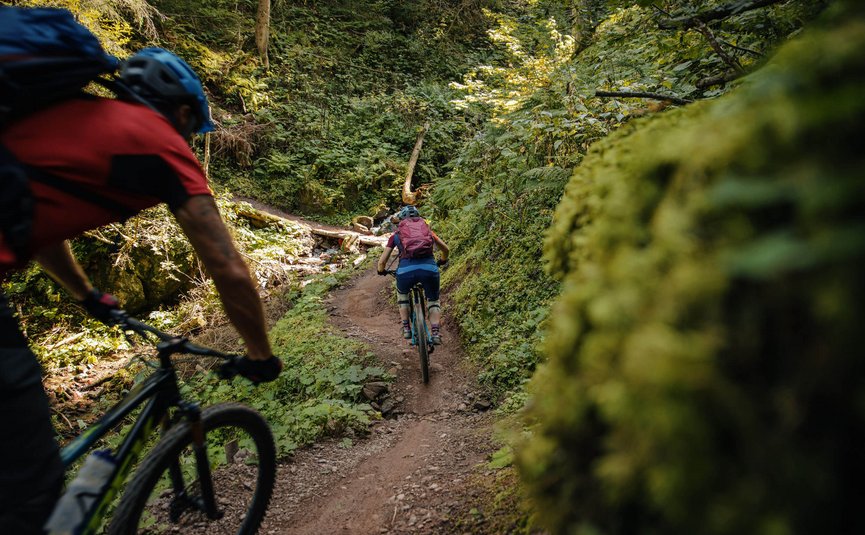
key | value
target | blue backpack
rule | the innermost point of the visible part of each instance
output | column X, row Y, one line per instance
column 45, row 56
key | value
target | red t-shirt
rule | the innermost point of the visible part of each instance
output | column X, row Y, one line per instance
column 121, row 151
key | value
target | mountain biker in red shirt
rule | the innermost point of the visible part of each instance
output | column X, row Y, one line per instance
column 413, row 269
column 129, row 155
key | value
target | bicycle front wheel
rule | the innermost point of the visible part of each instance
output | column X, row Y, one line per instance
column 422, row 339
column 166, row 494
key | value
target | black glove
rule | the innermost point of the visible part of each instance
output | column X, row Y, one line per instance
column 257, row 371
column 382, row 272
column 441, row 263
column 100, row 305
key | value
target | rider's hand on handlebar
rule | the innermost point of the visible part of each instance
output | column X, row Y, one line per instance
column 442, row 263
column 257, row 371
column 101, row 305
column 382, row 272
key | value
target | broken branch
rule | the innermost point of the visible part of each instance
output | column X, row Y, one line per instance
column 720, row 12
column 716, row 46
column 718, row 80
column 641, row 94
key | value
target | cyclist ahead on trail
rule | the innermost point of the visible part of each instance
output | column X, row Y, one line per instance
column 93, row 161
column 417, row 264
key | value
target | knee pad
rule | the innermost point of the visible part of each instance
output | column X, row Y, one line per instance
column 402, row 300
column 433, row 304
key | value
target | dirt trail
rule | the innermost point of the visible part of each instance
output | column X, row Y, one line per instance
column 410, row 474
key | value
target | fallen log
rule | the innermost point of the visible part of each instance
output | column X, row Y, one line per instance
column 369, row 241
column 642, row 94
column 260, row 219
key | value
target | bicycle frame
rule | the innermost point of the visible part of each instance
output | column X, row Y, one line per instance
column 418, row 299
column 160, row 393
column 421, row 337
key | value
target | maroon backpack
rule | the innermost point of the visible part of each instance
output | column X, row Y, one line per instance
column 416, row 238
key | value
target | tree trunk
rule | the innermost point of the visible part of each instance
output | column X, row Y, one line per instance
column 408, row 196
column 262, row 30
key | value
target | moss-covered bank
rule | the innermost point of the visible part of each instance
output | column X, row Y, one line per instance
column 705, row 368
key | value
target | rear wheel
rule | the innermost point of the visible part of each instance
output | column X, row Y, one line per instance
column 422, row 338
column 166, row 494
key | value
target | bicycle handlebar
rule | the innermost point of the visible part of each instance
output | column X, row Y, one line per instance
column 170, row 343
column 232, row 365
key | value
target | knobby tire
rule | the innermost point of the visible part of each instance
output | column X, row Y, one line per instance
column 232, row 416
column 422, row 340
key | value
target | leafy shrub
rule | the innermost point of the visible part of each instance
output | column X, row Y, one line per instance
column 704, row 369
column 148, row 264
column 319, row 392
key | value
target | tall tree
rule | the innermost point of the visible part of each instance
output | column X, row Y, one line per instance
column 262, row 30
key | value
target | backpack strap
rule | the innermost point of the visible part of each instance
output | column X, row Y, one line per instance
column 80, row 192
column 16, row 204
column 16, row 199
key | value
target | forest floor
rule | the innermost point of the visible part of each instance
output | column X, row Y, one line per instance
column 424, row 469
column 420, row 470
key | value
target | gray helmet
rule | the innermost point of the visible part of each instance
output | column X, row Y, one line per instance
column 408, row 211
column 165, row 81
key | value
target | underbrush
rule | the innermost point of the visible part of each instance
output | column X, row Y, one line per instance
column 501, row 298
column 89, row 366
column 149, row 265
column 705, row 370
column 318, row 392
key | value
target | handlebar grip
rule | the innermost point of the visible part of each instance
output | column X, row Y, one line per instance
column 258, row 371
column 228, row 369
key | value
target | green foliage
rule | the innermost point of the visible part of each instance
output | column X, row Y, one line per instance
column 318, row 393
column 104, row 18
column 538, row 91
column 351, row 155
column 146, row 263
column 705, row 372
column 329, row 128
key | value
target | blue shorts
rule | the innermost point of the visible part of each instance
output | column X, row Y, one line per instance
column 429, row 278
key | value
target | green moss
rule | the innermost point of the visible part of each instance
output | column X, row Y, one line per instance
column 705, row 373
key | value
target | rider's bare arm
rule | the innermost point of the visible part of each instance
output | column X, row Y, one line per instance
column 57, row 260
column 200, row 220
column 442, row 247
column 382, row 261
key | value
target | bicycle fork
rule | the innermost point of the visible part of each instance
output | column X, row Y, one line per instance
column 207, row 501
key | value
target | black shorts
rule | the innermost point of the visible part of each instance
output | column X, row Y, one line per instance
column 31, row 473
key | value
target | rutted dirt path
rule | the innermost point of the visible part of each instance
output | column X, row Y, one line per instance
column 410, row 475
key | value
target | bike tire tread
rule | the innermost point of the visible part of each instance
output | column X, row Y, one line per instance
column 125, row 519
